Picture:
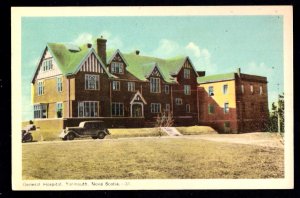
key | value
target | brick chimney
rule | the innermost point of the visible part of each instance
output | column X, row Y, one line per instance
column 101, row 48
column 239, row 72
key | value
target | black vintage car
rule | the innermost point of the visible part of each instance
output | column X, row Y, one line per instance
column 94, row 129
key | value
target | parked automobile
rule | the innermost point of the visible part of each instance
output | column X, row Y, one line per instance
column 94, row 129
column 26, row 133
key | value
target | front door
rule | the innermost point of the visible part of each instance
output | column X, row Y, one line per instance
column 137, row 110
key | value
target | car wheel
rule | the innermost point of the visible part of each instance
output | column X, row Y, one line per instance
column 94, row 137
column 70, row 136
column 101, row 135
column 30, row 138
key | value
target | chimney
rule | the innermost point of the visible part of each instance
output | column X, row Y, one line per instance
column 89, row 45
column 137, row 52
column 101, row 48
column 239, row 72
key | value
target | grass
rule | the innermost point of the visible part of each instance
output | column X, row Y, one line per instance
column 150, row 158
column 134, row 132
column 45, row 135
column 196, row 130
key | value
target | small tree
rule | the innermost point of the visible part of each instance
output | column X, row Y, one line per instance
column 277, row 109
column 164, row 119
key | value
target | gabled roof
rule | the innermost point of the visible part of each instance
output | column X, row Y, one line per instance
column 216, row 78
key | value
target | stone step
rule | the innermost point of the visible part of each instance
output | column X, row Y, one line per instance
column 171, row 131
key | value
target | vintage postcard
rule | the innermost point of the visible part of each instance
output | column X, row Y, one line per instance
column 152, row 98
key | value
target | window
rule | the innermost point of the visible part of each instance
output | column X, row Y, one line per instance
column 59, row 110
column 225, row 89
column 59, row 84
column 167, row 107
column 226, row 107
column 188, row 108
column 47, row 64
column 117, row 109
column 91, row 82
column 251, row 89
column 242, row 89
column 116, row 85
column 187, row 89
column 167, row 89
column 131, row 86
column 210, row 90
column 117, row 67
column 88, row 109
column 178, row 101
column 186, row 74
column 260, row 90
column 40, row 88
column 211, row 108
column 155, row 107
column 40, row 111
column 154, row 85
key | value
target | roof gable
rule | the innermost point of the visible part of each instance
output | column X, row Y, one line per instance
column 116, row 54
column 138, row 97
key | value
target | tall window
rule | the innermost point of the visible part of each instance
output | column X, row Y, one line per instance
column 242, row 88
column 167, row 89
column 188, row 108
column 88, row 109
column 260, row 90
column 178, row 101
column 40, row 111
column 117, row 109
column 225, row 89
column 210, row 90
column 47, row 64
column 59, row 84
column 59, row 110
column 117, row 67
column 155, row 107
column 211, row 108
column 186, row 73
column 251, row 89
column 187, row 89
column 226, row 107
column 116, row 85
column 131, row 86
column 167, row 107
column 154, row 85
column 91, row 82
column 40, row 88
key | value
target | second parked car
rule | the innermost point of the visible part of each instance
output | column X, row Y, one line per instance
column 94, row 129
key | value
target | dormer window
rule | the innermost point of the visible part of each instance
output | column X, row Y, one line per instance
column 186, row 73
column 117, row 68
column 47, row 64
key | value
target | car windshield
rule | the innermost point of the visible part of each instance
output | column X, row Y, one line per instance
column 81, row 124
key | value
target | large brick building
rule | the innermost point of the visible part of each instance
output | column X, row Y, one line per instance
column 75, row 83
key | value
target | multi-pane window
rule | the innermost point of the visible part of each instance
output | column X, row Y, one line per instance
column 117, row 109
column 59, row 84
column 210, row 90
column 40, row 88
column 188, row 108
column 116, row 85
column 167, row 107
column 242, row 88
column 178, row 101
column 225, row 89
column 226, row 107
column 88, row 109
column 211, row 108
column 47, row 64
column 154, row 85
column 40, row 111
column 155, row 107
column 186, row 73
column 117, row 67
column 131, row 86
column 260, row 90
column 187, row 89
column 59, row 110
column 251, row 89
column 167, row 89
column 92, row 82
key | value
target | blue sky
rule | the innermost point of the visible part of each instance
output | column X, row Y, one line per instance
column 215, row 44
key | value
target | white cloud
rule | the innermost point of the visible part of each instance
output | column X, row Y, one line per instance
column 113, row 42
column 194, row 49
column 166, row 48
column 258, row 69
column 83, row 38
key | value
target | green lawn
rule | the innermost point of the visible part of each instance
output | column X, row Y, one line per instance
column 149, row 158
column 196, row 130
